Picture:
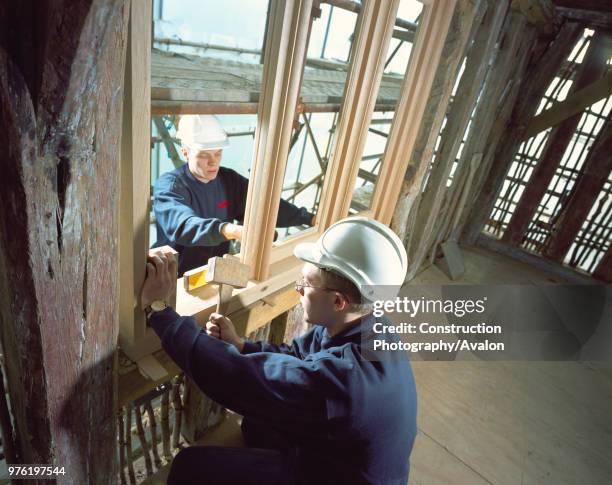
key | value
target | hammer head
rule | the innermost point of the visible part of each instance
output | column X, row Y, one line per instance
column 228, row 270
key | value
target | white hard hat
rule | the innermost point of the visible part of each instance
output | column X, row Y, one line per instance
column 365, row 252
column 201, row 132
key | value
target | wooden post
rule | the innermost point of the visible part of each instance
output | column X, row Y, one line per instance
column 431, row 203
column 501, row 89
column 593, row 67
column 286, row 46
column 61, row 77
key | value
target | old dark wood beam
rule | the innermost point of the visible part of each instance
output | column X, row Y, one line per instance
column 596, row 170
column 594, row 5
column 60, row 111
column 595, row 18
column 593, row 68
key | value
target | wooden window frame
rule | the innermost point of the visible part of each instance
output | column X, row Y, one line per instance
column 274, row 268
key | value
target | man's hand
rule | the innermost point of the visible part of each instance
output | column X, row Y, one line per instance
column 159, row 282
column 232, row 231
column 222, row 328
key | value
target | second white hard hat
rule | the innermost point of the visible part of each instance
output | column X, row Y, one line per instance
column 201, row 132
column 365, row 252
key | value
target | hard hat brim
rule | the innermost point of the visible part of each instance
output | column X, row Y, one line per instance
column 308, row 252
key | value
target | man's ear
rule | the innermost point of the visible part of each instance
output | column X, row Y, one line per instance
column 185, row 152
column 340, row 301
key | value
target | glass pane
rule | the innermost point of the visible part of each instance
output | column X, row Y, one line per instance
column 169, row 159
column 321, row 94
column 206, row 58
column 204, row 52
column 396, row 66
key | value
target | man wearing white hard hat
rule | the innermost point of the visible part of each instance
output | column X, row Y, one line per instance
column 196, row 205
column 319, row 410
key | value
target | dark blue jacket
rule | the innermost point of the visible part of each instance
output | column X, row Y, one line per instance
column 353, row 421
column 189, row 213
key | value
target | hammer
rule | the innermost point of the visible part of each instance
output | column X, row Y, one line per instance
column 229, row 273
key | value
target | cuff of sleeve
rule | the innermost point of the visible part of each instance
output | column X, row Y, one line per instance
column 250, row 347
column 160, row 320
column 221, row 226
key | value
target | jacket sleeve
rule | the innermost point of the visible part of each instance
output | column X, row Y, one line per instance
column 288, row 214
column 273, row 387
column 296, row 349
column 178, row 221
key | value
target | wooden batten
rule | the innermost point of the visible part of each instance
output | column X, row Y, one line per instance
column 574, row 104
column 135, row 175
column 417, row 85
column 284, row 61
column 370, row 46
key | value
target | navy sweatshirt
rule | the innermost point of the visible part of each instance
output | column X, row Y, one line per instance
column 351, row 420
column 190, row 214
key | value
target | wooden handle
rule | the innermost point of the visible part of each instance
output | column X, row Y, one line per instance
column 225, row 295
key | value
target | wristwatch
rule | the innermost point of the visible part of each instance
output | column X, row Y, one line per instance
column 155, row 306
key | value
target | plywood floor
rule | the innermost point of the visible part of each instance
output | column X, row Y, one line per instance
column 516, row 423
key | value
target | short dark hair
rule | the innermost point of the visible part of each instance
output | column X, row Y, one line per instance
column 332, row 279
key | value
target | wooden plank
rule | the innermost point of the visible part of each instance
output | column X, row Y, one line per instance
column 458, row 117
column 572, row 105
column 368, row 55
column 285, row 53
column 596, row 170
column 191, row 80
column 544, row 60
column 135, row 175
column 593, row 67
column 425, row 56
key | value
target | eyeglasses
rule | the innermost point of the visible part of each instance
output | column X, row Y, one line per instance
column 301, row 284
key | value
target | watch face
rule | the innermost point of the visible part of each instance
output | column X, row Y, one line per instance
column 158, row 306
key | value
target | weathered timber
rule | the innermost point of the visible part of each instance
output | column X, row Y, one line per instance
column 451, row 52
column 545, row 59
column 585, row 192
column 457, row 119
column 593, row 67
column 61, row 74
